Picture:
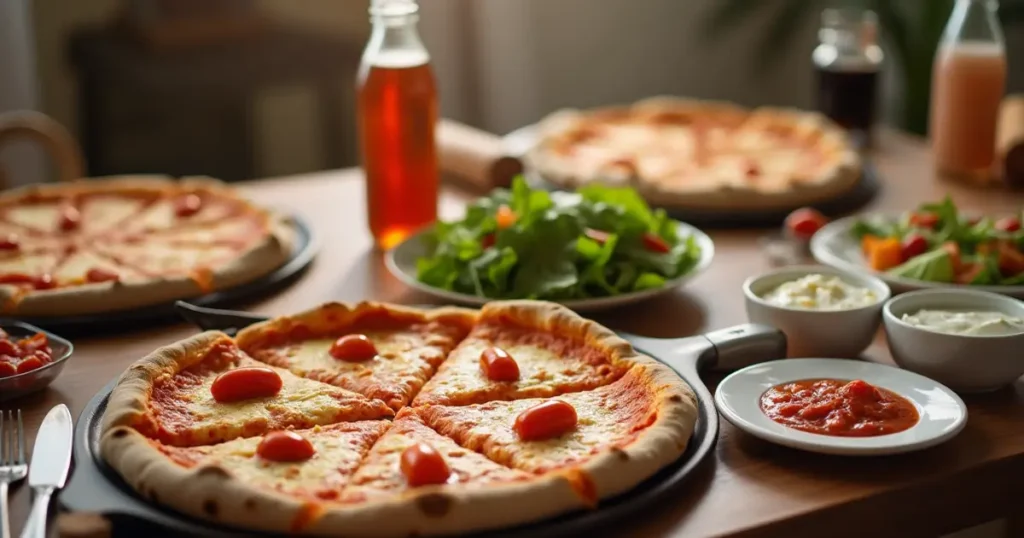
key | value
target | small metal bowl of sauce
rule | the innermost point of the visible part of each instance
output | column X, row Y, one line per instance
column 35, row 378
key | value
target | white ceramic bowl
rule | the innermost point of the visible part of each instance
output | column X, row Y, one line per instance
column 817, row 333
column 962, row 362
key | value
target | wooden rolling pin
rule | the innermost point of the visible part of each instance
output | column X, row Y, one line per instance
column 476, row 158
column 1010, row 140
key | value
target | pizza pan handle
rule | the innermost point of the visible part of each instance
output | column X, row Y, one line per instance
column 215, row 319
column 727, row 349
column 740, row 346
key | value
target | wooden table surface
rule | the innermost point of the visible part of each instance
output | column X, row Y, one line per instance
column 751, row 488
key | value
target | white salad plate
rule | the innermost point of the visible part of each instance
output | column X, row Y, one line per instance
column 401, row 262
column 943, row 414
column 834, row 245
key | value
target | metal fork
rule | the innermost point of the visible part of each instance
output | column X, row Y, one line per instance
column 12, row 463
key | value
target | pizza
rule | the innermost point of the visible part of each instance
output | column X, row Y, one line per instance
column 699, row 154
column 117, row 243
column 382, row 420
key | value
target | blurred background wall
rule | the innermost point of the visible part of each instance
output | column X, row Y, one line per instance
column 500, row 64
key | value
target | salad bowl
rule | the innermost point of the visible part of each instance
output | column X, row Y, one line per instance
column 401, row 262
column 836, row 245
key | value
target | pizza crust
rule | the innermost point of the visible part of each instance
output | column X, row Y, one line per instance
column 843, row 172
column 269, row 252
column 210, row 492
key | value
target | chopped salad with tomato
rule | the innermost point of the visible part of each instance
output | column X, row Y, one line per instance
column 936, row 243
column 524, row 243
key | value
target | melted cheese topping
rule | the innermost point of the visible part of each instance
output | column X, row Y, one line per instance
column 238, row 229
column 101, row 213
column 165, row 259
column 548, row 366
column 74, row 268
column 42, row 216
column 162, row 215
column 185, row 412
column 380, row 474
column 339, row 450
column 404, row 361
column 610, row 416
column 27, row 264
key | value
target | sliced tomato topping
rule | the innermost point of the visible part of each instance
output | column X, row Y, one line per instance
column 10, row 242
column 498, row 365
column 187, row 205
column 423, row 466
column 804, row 223
column 285, row 446
column 505, row 217
column 44, row 282
column 7, row 368
column 99, row 274
column 29, row 364
column 353, row 348
column 246, row 383
column 70, row 218
column 913, row 245
column 654, row 243
column 545, row 421
column 597, row 235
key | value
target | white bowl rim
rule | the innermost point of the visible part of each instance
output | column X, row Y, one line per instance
column 994, row 298
column 885, row 293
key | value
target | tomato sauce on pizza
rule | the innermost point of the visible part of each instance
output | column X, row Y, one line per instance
column 382, row 420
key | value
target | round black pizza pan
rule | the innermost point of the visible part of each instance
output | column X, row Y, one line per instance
column 94, row 487
column 122, row 320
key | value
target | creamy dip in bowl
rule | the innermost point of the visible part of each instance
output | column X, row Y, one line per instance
column 821, row 292
column 968, row 340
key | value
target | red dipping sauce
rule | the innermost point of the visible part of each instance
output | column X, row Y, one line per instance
column 839, row 408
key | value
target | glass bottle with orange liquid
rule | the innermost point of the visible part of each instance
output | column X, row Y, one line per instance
column 397, row 113
column 968, row 83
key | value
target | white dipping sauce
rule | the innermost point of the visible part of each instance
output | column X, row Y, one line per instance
column 820, row 292
column 966, row 322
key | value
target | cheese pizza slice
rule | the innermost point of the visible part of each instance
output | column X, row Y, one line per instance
column 401, row 462
column 634, row 418
column 205, row 390
column 314, row 464
column 527, row 350
column 383, row 352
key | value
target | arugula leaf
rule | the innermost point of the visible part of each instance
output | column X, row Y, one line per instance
column 546, row 252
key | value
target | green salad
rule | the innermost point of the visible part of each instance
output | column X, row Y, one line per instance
column 936, row 243
column 524, row 243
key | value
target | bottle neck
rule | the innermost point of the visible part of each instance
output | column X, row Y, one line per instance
column 975, row 21
column 395, row 41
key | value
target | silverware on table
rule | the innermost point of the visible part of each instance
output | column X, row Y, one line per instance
column 51, row 457
column 12, row 462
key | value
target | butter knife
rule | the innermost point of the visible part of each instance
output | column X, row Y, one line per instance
column 51, row 457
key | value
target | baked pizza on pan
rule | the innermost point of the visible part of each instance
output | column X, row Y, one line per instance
column 700, row 154
column 116, row 243
column 381, row 420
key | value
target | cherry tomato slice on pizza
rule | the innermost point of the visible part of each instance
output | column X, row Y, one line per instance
column 99, row 274
column 353, row 348
column 545, row 421
column 10, row 242
column 424, row 466
column 246, row 383
column 70, row 218
column 187, row 205
column 285, row 446
column 498, row 365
